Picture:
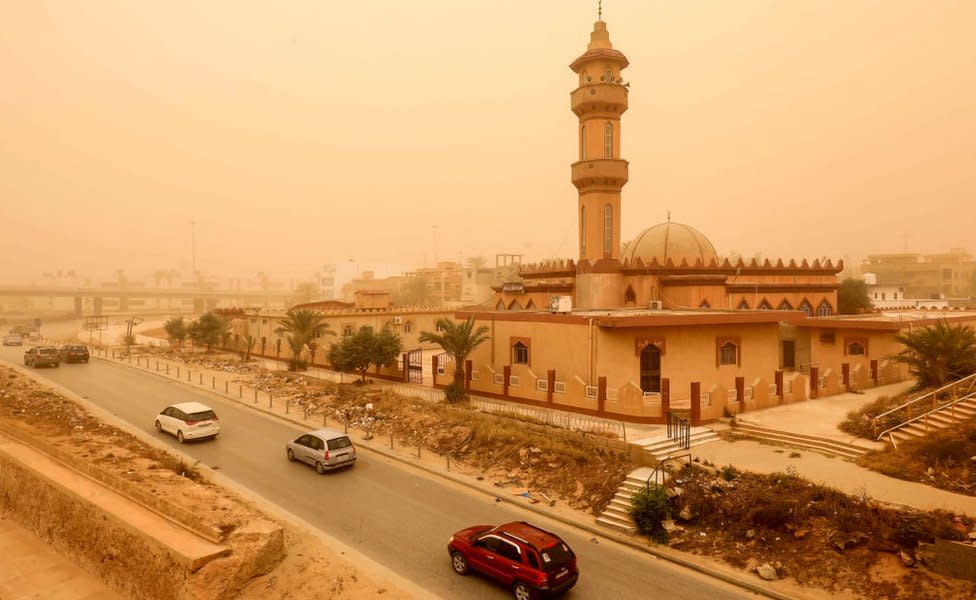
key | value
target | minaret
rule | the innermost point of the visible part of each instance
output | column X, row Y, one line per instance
column 600, row 173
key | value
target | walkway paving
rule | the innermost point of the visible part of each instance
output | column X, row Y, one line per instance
column 32, row 570
column 820, row 417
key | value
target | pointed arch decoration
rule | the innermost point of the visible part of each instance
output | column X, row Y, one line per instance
column 530, row 304
column 704, row 304
column 630, row 297
column 500, row 305
column 765, row 305
column 785, row 305
column 806, row 307
column 824, row 309
column 743, row 305
column 514, row 305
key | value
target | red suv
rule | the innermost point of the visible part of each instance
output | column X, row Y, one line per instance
column 532, row 561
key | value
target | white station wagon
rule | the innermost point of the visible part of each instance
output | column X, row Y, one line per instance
column 324, row 449
column 188, row 421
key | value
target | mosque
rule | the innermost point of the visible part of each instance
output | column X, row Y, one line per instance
column 633, row 330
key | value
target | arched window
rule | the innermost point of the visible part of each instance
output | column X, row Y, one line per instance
column 629, row 296
column 728, row 354
column 583, row 142
column 806, row 307
column 785, row 305
column 408, row 327
column 608, row 76
column 765, row 305
column 607, row 231
column 520, row 354
column 608, row 140
column 855, row 349
column 824, row 309
column 582, row 232
column 743, row 305
column 347, row 331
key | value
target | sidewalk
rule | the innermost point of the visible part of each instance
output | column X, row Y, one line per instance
column 820, row 417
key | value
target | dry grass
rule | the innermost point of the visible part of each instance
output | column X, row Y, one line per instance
column 943, row 459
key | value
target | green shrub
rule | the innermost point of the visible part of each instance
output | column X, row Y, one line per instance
column 728, row 473
column 650, row 507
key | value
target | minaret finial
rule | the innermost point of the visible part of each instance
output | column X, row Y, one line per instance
column 599, row 10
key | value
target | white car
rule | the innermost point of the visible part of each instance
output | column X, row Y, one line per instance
column 188, row 421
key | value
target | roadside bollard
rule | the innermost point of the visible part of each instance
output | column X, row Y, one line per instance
column 448, row 456
column 240, row 391
column 201, row 378
column 177, row 372
column 418, row 451
column 213, row 383
column 391, row 440
column 287, row 403
column 157, row 366
column 189, row 375
column 255, row 395
column 325, row 420
column 226, row 387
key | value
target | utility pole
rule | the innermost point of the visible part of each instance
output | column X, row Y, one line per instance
column 193, row 246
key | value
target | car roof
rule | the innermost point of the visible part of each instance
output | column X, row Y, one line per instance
column 530, row 534
column 326, row 433
column 191, row 407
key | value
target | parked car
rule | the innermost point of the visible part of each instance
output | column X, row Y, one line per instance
column 42, row 356
column 531, row 561
column 14, row 339
column 324, row 449
column 188, row 421
column 75, row 353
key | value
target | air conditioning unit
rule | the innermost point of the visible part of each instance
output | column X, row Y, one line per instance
column 560, row 304
column 656, row 305
column 397, row 320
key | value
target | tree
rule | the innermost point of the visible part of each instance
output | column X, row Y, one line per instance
column 176, row 329
column 245, row 345
column 852, row 297
column 208, row 330
column 357, row 353
column 416, row 292
column 302, row 326
column 459, row 340
column 938, row 355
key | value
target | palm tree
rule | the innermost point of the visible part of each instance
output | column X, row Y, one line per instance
column 302, row 326
column 459, row 340
column 940, row 354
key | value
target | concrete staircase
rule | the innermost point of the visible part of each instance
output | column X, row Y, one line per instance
column 946, row 417
column 617, row 514
column 797, row 440
column 661, row 447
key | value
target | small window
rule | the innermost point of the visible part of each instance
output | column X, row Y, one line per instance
column 513, row 380
column 408, row 327
column 533, row 559
column 704, row 304
column 855, row 349
column 541, row 385
column 591, row 391
column 520, row 354
column 499, row 379
column 607, row 230
column 608, row 141
column 728, row 354
column 806, row 307
column 347, row 331
column 559, row 387
column 510, row 551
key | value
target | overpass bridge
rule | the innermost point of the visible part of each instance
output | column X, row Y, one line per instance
column 203, row 299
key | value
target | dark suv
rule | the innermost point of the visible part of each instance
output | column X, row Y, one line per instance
column 531, row 561
column 42, row 356
column 75, row 353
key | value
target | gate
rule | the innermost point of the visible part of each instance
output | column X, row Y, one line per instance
column 415, row 366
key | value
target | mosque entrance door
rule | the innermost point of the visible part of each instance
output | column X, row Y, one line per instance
column 650, row 369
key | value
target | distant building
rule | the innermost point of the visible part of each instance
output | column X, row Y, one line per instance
column 950, row 274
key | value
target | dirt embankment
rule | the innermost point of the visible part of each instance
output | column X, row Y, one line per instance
column 265, row 558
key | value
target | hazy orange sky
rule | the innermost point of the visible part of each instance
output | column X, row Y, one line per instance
column 306, row 132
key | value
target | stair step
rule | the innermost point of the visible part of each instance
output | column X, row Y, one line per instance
column 800, row 440
column 652, row 444
column 626, row 527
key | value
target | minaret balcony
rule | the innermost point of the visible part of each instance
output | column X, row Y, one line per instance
column 609, row 173
column 601, row 98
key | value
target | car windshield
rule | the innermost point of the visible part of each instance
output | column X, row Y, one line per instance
column 204, row 415
column 47, row 351
column 338, row 443
column 555, row 557
column 76, row 348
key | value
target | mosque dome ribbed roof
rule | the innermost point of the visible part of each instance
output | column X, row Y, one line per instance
column 670, row 240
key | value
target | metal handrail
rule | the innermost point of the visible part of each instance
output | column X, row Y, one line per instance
column 926, row 395
column 939, row 408
column 660, row 469
column 679, row 429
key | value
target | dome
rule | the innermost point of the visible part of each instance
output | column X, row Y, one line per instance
column 670, row 240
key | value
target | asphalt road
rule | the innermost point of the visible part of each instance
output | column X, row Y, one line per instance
column 395, row 515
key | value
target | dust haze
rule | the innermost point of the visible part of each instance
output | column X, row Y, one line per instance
column 245, row 137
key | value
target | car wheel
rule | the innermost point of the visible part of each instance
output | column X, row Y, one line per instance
column 290, row 455
column 319, row 468
column 179, row 437
column 56, row 365
column 158, row 426
column 522, row 591
column 459, row 563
